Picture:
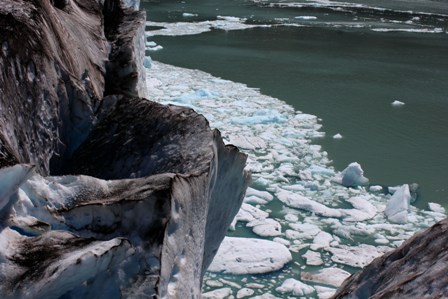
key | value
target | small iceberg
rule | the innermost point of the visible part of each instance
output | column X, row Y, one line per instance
column 397, row 103
column 352, row 176
column 305, row 18
column 189, row 15
column 398, row 205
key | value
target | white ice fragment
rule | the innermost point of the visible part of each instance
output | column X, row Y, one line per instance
column 229, row 18
column 291, row 218
column 156, row 48
column 247, row 142
column 282, row 241
column 262, row 194
column 316, row 169
column 249, row 256
column 244, row 292
column 262, row 116
column 352, row 176
column 398, row 205
column 321, row 240
column 355, row 256
column 300, row 202
column 248, row 213
column 324, row 292
column 306, row 18
column 362, row 204
column 382, row 241
column 329, row 276
column 214, row 283
column 218, row 294
column 435, row 207
column 265, row 296
column 337, row 136
column 376, row 188
column 189, row 15
column 295, row 287
column 397, row 103
column 266, row 227
column 313, row 258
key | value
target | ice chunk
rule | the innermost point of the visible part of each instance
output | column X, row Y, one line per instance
column 244, row 292
column 266, row 227
column 189, row 15
column 352, row 176
column 397, row 103
column 249, row 213
column 355, row 256
column 376, row 188
column 337, row 136
column 398, row 205
column 305, row 18
column 249, row 256
column 263, row 116
column 298, row 201
column 324, row 292
column 321, row 240
column 261, row 194
column 361, row 203
column 329, row 276
column 313, row 258
column 316, row 169
column 435, row 207
column 218, row 294
column 247, row 142
column 295, row 287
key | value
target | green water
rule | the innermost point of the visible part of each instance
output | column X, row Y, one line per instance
column 348, row 77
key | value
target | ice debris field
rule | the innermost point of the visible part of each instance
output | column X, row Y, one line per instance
column 304, row 226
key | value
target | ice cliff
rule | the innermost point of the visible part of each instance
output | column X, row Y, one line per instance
column 103, row 194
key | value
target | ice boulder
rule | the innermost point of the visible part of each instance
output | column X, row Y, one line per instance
column 249, row 256
column 352, row 176
column 398, row 205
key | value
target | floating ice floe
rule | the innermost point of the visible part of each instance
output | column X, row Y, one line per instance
column 313, row 258
column 297, row 199
column 189, row 15
column 192, row 28
column 249, row 256
column 397, row 103
column 329, row 276
column 305, row 18
column 337, row 136
column 295, row 288
column 355, row 256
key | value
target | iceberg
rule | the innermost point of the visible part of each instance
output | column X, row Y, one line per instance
column 398, row 205
column 352, row 176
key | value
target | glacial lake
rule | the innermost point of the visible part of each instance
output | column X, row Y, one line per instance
column 342, row 71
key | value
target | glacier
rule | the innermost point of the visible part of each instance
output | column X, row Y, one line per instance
column 103, row 194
